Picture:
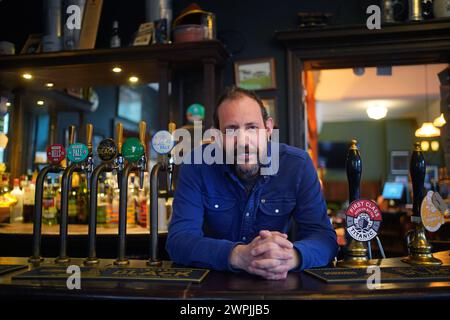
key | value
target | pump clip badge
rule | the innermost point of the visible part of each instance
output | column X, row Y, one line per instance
column 363, row 219
column 432, row 211
column 56, row 153
column 163, row 142
column 77, row 152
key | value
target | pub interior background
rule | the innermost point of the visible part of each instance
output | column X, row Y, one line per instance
column 336, row 100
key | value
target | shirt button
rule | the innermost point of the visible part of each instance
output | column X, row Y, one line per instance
column 247, row 214
column 263, row 200
column 216, row 206
column 244, row 238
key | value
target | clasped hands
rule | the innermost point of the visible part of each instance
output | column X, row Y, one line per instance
column 270, row 255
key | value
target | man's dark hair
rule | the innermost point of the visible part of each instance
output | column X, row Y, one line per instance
column 232, row 93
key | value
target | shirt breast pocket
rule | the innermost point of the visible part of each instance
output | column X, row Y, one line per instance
column 219, row 214
column 274, row 214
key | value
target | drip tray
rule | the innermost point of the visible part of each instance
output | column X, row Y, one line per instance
column 388, row 274
column 6, row 268
column 116, row 274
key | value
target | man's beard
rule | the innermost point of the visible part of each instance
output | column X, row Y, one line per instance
column 246, row 173
column 248, row 170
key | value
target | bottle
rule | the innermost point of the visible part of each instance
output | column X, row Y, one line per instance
column 112, row 207
column 143, row 208
column 72, row 206
column 5, row 184
column 102, row 202
column 131, row 203
column 83, row 201
column 28, row 202
column 57, row 190
column 16, row 211
column 114, row 217
column 115, row 39
column 29, row 190
column 49, row 211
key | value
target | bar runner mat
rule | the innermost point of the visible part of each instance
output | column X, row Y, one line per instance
column 117, row 273
column 11, row 267
column 388, row 274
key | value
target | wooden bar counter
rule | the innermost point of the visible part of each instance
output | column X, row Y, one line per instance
column 222, row 285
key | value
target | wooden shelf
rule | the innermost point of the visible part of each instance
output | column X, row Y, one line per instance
column 85, row 68
column 81, row 68
column 351, row 46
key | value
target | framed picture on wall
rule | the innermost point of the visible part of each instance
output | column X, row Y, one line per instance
column 130, row 104
column 271, row 107
column 257, row 74
column 399, row 162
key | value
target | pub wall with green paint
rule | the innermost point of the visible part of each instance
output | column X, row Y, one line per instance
column 376, row 139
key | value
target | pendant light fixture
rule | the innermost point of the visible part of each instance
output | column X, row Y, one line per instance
column 427, row 130
column 439, row 121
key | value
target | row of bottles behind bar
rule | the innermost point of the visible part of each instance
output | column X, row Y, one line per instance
column 78, row 205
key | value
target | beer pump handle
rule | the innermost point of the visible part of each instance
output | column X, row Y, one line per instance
column 172, row 127
column 417, row 170
column 354, row 170
column 119, row 137
column 71, row 134
column 142, row 129
column 89, row 132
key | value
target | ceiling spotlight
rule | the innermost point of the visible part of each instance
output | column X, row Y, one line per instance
column 117, row 69
column 27, row 76
column 133, row 79
column 40, row 102
column 49, row 84
column 8, row 104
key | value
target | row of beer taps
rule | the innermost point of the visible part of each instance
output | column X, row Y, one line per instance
column 117, row 156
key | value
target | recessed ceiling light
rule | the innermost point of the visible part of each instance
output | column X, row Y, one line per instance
column 49, row 84
column 133, row 79
column 40, row 102
column 27, row 76
column 8, row 104
column 117, row 69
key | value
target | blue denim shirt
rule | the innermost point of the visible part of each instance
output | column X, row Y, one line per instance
column 212, row 212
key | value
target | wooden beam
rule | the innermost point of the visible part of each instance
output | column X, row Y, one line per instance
column 17, row 137
column 296, row 110
column 209, row 90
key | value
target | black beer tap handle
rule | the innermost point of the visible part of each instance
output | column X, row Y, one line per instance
column 417, row 170
column 354, row 170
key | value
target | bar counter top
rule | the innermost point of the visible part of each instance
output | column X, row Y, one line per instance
column 222, row 285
